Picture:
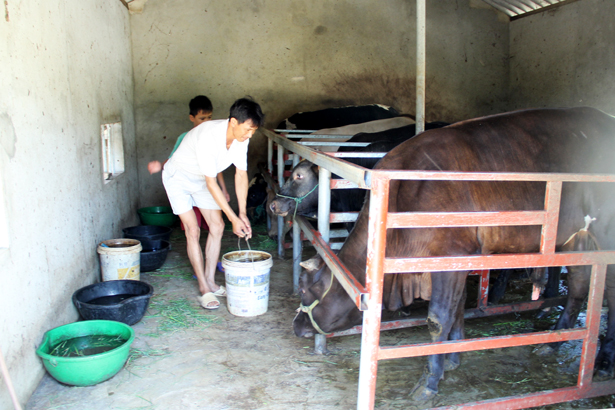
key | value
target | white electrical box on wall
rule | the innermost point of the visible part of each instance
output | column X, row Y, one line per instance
column 112, row 150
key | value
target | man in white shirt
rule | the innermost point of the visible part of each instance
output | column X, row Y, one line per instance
column 189, row 177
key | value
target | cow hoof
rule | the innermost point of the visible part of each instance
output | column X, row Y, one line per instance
column 544, row 350
column 422, row 394
column 602, row 376
column 450, row 365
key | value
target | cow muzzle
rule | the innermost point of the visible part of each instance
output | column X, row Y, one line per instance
column 276, row 208
column 302, row 326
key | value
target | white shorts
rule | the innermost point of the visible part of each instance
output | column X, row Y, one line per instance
column 186, row 190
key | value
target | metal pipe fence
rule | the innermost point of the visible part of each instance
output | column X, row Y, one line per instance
column 368, row 298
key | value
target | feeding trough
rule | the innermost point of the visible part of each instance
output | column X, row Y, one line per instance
column 86, row 353
column 153, row 254
column 157, row 215
column 122, row 300
column 151, row 232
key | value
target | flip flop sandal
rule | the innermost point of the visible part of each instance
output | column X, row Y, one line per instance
column 207, row 299
column 220, row 292
column 220, row 267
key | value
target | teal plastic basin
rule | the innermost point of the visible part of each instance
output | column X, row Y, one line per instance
column 157, row 215
column 85, row 370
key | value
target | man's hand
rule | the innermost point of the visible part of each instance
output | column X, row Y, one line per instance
column 242, row 228
column 154, row 166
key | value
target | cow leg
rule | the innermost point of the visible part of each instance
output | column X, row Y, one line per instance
column 605, row 361
column 447, row 292
column 452, row 360
column 552, row 288
column 578, row 288
column 499, row 286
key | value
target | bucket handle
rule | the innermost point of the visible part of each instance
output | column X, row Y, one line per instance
column 249, row 248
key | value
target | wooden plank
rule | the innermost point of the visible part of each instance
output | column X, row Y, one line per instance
column 339, row 167
column 342, row 217
column 459, row 219
column 342, row 184
column 483, row 343
column 494, row 176
column 499, row 261
column 553, row 196
column 355, row 290
column 537, row 399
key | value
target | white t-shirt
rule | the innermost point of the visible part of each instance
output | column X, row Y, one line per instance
column 203, row 150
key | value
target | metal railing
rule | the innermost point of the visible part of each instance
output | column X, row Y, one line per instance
column 369, row 297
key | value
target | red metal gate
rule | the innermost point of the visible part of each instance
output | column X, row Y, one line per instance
column 369, row 299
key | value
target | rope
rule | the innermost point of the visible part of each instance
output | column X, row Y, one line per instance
column 297, row 200
column 588, row 220
column 308, row 309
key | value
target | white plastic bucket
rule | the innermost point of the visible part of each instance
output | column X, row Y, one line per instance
column 120, row 259
column 247, row 282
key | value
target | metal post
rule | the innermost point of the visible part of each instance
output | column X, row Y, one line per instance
column 270, row 170
column 370, row 338
column 592, row 323
column 281, row 218
column 297, row 245
column 420, row 65
column 324, row 202
column 270, row 156
column 324, row 215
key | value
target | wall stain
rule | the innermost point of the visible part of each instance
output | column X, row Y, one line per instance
column 320, row 30
column 373, row 87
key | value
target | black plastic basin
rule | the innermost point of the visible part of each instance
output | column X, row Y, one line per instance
column 121, row 300
column 151, row 232
column 153, row 254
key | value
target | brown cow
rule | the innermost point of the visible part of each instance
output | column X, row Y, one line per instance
column 575, row 140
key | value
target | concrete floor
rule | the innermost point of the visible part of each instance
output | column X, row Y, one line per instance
column 190, row 358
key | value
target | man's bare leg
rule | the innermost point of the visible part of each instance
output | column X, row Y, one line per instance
column 195, row 254
column 214, row 220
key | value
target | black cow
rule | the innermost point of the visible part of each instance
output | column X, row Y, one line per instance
column 305, row 178
column 257, row 197
column 575, row 140
column 337, row 117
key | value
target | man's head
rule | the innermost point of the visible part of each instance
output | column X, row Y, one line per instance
column 200, row 110
column 245, row 118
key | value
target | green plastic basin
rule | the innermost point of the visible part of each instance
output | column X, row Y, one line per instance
column 157, row 215
column 86, row 370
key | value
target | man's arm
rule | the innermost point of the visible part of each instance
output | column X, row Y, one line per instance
column 220, row 178
column 239, row 227
column 241, row 189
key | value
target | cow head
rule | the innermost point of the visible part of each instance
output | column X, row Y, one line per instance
column 273, row 218
column 257, row 191
column 299, row 195
column 325, row 305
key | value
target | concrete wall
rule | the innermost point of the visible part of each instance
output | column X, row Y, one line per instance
column 300, row 56
column 65, row 68
column 564, row 57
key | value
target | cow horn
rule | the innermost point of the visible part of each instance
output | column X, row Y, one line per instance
column 312, row 264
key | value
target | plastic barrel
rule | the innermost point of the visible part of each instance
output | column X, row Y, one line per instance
column 120, row 259
column 247, row 282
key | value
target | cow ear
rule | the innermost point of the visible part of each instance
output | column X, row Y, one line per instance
column 313, row 264
column 315, row 169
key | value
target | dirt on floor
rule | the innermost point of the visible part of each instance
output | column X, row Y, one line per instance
column 185, row 357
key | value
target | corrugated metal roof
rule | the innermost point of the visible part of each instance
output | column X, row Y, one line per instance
column 513, row 8
column 519, row 8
